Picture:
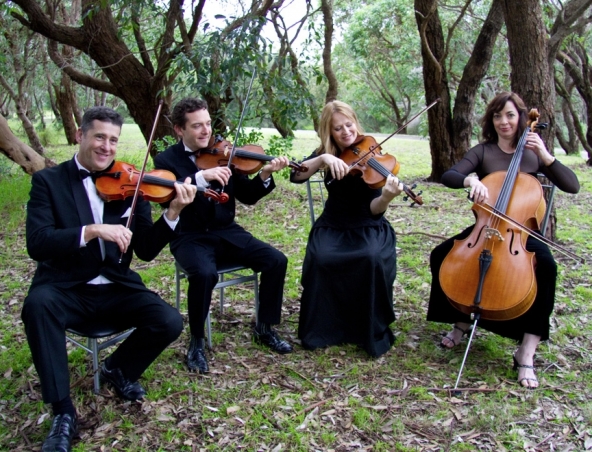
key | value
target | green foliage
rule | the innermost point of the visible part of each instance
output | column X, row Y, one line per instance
column 279, row 146
column 163, row 143
column 247, row 136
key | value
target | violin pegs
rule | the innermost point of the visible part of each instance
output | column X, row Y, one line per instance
column 413, row 186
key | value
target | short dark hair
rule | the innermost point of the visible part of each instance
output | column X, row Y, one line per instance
column 496, row 105
column 104, row 114
column 184, row 106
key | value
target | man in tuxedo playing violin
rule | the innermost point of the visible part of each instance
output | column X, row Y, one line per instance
column 83, row 253
column 209, row 236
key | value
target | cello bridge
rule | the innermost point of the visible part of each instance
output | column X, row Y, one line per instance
column 491, row 233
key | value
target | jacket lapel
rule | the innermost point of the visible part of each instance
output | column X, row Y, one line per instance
column 82, row 204
column 80, row 196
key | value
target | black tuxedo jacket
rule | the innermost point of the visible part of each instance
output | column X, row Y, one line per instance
column 204, row 216
column 58, row 208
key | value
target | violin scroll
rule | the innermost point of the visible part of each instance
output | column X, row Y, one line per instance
column 415, row 198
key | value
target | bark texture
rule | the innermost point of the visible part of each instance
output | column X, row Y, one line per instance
column 19, row 152
column 450, row 128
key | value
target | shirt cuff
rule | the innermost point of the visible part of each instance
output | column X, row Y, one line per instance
column 172, row 223
column 200, row 181
column 82, row 242
column 266, row 182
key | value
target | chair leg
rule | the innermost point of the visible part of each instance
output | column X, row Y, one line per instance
column 256, row 291
column 94, row 346
column 178, row 286
column 222, row 295
column 209, row 330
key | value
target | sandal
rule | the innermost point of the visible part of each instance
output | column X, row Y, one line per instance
column 452, row 341
column 517, row 366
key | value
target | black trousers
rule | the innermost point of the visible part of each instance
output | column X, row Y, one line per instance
column 534, row 321
column 200, row 260
column 48, row 311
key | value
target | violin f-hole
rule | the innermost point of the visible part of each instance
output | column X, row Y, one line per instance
column 472, row 245
column 512, row 236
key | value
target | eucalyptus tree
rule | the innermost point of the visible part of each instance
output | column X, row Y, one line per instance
column 300, row 100
column 64, row 89
column 332, row 89
column 450, row 122
column 21, row 153
column 17, row 71
column 536, row 32
column 573, row 84
column 135, row 43
column 379, row 62
column 223, row 62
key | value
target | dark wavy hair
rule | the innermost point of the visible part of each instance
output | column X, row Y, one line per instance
column 104, row 114
column 184, row 106
column 497, row 104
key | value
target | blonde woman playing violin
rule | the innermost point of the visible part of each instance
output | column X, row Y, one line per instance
column 350, row 263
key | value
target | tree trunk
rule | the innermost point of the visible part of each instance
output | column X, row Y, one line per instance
column 569, row 144
column 20, row 153
column 436, row 87
column 474, row 71
column 29, row 129
column 450, row 135
column 127, row 78
column 332, row 90
column 531, row 76
column 66, row 105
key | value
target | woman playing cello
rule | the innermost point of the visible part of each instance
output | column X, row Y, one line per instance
column 502, row 126
column 350, row 262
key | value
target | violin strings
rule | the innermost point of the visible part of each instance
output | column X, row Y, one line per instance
column 503, row 199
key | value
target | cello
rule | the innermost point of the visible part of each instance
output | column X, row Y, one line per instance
column 490, row 274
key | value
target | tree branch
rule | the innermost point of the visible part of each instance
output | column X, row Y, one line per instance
column 79, row 77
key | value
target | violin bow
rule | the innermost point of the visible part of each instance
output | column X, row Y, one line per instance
column 421, row 112
column 240, row 121
column 492, row 210
column 142, row 171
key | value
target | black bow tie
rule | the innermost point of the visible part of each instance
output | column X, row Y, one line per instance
column 83, row 174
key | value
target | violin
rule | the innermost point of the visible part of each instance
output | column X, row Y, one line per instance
column 247, row 159
column 121, row 181
column 364, row 156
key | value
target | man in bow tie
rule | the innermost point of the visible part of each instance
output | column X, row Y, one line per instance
column 83, row 253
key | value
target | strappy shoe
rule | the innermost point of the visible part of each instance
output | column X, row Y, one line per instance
column 517, row 366
column 454, row 343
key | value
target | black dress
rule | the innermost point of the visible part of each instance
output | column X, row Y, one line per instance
column 348, row 272
column 485, row 159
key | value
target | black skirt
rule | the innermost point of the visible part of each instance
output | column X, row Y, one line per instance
column 347, row 280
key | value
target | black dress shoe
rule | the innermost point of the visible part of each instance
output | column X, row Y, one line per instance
column 128, row 390
column 63, row 429
column 196, row 356
column 272, row 340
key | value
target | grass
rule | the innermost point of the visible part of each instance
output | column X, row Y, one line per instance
column 334, row 399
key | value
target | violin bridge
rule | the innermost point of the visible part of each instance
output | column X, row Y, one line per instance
column 492, row 232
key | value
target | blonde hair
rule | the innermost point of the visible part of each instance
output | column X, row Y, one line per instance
column 327, row 144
